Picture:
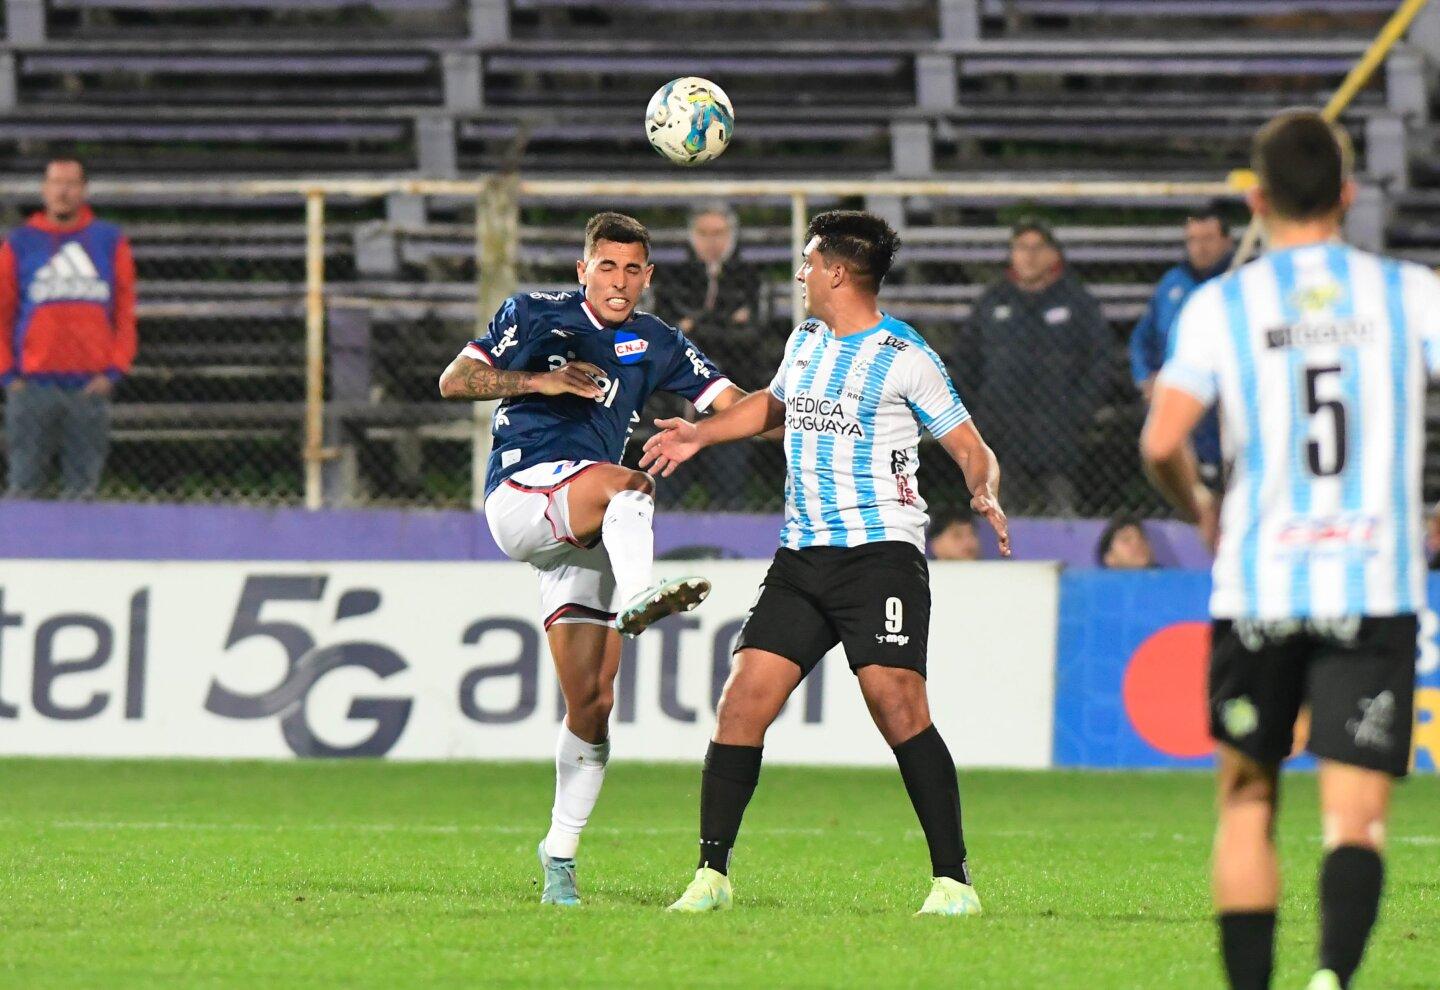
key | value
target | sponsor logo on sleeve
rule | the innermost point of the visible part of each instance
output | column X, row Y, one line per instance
column 507, row 340
column 696, row 364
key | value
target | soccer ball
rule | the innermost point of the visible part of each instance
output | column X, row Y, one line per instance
column 689, row 120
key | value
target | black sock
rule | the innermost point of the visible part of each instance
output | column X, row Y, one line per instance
column 929, row 774
column 731, row 773
column 1351, row 878
column 1247, row 939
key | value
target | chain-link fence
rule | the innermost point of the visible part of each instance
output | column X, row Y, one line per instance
column 1042, row 362
column 210, row 405
column 286, row 362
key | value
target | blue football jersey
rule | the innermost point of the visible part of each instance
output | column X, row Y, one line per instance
column 542, row 331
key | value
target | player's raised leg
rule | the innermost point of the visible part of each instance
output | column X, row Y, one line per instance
column 897, row 702
column 1353, row 805
column 619, row 505
column 1246, row 874
column 757, row 688
column 583, row 748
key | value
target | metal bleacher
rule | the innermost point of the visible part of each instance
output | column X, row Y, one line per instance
column 906, row 87
column 1137, row 89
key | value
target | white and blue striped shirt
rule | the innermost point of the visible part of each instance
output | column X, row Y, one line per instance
column 853, row 411
column 1318, row 356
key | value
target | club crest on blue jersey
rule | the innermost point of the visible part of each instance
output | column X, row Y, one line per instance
column 630, row 348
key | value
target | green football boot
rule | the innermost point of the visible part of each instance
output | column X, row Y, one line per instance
column 709, row 891
column 948, row 896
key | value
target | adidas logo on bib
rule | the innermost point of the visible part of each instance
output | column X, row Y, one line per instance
column 69, row 275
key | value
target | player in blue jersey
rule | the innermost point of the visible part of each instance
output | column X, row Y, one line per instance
column 1317, row 354
column 854, row 391
column 574, row 369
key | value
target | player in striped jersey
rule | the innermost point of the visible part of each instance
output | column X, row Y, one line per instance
column 1318, row 355
column 853, row 392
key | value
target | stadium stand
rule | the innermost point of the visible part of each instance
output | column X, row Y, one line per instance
column 964, row 88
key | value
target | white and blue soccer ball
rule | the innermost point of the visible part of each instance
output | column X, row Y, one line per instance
column 690, row 120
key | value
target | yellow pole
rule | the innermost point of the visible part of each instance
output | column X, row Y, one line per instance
column 314, row 346
column 1388, row 37
column 1355, row 81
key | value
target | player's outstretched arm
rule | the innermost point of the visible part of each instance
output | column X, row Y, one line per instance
column 982, row 476
column 679, row 440
column 1170, row 462
column 467, row 378
column 735, row 394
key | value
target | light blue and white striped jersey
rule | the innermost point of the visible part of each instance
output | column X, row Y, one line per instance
column 853, row 411
column 1318, row 356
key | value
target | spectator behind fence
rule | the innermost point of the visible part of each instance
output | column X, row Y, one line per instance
column 714, row 294
column 714, row 297
column 1041, row 354
column 67, row 336
column 1124, row 545
column 1209, row 249
column 952, row 536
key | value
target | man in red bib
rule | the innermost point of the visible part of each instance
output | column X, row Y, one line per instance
column 67, row 336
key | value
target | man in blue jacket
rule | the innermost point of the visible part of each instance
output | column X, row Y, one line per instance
column 1208, row 251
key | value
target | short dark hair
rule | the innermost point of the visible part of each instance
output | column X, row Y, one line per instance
column 1302, row 161
column 943, row 519
column 863, row 241
column 65, row 159
column 618, row 227
column 1112, row 529
column 1213, row 210
column 1035, row 225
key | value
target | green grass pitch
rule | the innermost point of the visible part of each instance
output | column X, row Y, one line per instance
column 364, row 874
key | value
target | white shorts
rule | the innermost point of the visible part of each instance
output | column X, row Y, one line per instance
column 529, row 517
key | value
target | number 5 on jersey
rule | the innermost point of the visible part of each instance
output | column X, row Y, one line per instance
column 1325, row 380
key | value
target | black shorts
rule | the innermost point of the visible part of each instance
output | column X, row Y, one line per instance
column 1358, row 681
column 873, row 599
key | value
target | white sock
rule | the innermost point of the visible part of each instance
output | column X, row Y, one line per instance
column 579, row 772
column 629, row 537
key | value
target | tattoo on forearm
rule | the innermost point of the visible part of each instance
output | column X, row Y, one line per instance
column 480, row 381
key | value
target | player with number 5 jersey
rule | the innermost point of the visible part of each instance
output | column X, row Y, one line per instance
column 1318, row 355
column 854, row 391
column 573, row 371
